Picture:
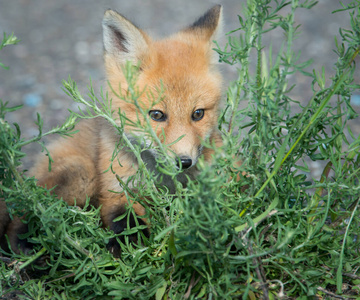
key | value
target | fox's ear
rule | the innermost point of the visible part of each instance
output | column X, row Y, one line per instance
column 122, row 38
column 209, row 26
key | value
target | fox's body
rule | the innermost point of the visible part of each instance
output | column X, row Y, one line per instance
column 183, row 67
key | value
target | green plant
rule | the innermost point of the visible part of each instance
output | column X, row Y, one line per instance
column 262, row 229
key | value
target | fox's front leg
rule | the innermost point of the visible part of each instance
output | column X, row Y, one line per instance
column 12, row 228
column 114, row 206
column 16, row 228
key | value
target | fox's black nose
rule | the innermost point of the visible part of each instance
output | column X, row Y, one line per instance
column 186, row 162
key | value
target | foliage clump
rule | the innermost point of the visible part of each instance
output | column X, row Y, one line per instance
column 264, row 228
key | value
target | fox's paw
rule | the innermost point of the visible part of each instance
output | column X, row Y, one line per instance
column 23, row 246
column 120, row 226
column 18, row 245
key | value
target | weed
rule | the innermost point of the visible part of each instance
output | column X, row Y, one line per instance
column 262, row 229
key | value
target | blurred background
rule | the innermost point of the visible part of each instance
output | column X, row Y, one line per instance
column 64, row 37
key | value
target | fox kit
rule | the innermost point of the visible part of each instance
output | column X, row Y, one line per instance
column 184, row 67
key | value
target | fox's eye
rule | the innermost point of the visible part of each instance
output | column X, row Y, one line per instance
column 197, row 115
column 157, row 115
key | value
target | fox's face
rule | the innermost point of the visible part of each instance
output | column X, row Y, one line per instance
column 181, row 87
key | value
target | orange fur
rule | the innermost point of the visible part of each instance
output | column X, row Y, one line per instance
column 183, row 66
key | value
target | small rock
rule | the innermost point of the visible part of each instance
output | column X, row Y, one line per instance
column 355, row 100
column 32, row 99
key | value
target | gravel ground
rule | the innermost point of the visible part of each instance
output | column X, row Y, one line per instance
column 62, row 37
